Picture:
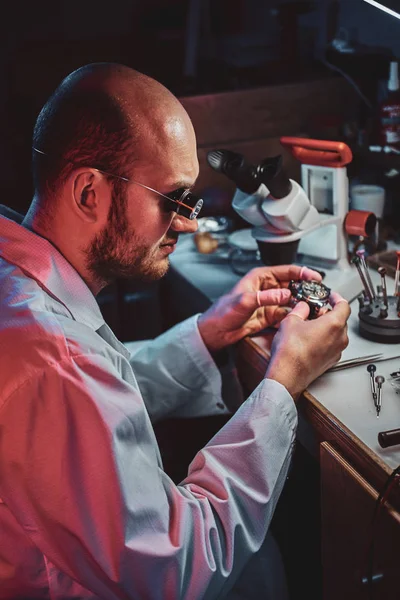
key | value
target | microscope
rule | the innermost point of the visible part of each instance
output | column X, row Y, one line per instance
column 306, row 224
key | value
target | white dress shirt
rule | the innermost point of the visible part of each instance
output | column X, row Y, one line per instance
column 86, row 510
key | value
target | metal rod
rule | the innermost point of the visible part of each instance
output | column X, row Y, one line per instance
column 379, row 381
column 356, row 261
column 397, row 276
column 371, row 370
column 382, row 273
column 361, row 255
column 355, row 362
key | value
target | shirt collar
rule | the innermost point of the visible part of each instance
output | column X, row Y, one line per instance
column 39, row 259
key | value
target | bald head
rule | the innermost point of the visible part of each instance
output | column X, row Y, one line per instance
column 143, row 100
column 106, row 116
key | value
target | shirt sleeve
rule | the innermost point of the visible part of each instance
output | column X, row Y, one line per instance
column 82, row 475
column 178, row 377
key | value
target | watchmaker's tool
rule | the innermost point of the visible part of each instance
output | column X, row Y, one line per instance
column 371, row 370
column 368, row 292
column 379, row 381
column 397, row 276
column 361, row 255
column 389, row 438
column 305, row 223
column 379, row 313
column 382, row 273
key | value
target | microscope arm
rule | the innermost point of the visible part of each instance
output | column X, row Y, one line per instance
column 291, row 213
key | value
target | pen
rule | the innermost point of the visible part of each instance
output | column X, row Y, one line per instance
column 389, row 438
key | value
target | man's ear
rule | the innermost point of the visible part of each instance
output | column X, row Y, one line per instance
column 91, row 195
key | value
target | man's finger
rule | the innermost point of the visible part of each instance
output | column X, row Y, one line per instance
column 336, row 298
column 340, row 305
column 300, row 311
column 310, row 274
column 288, row 272
column 277, row 296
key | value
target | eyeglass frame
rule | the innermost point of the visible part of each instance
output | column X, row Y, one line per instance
column 194, row 210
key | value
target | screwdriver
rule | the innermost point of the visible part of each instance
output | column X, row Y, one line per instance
column 389, row 438
column 357, row 262
column 382, row 273
column 361, row 256
column 397, row 275
column 371, row 370
column 379, row 380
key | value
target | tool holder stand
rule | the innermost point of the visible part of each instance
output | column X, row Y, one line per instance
column 376, row 328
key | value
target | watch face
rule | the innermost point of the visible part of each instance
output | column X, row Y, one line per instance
column 315, row 291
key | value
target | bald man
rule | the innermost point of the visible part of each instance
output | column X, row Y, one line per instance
column 86, row 510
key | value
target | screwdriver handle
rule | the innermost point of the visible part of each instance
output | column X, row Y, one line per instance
column 389, row 438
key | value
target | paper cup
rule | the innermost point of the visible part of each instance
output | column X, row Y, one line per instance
column 370, row 198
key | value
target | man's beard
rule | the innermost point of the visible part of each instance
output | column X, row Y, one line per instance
column 116, row 252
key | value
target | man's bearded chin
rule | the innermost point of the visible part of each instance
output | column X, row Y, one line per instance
column 117, row 253
column 114, row 256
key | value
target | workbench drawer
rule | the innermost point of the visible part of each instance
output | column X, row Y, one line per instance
column 347, row 507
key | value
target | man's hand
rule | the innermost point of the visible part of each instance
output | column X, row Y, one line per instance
column 302, row 350
column 257, row 301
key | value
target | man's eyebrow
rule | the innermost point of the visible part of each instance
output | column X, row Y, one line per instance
column 182, row 184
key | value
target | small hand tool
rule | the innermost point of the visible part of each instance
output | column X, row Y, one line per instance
column 379, row 381
column 361, row 254
column 389, row 438
column 397, row 275
column 356, row 362
column 382, row 273
column 357, row 261
column 371, row 370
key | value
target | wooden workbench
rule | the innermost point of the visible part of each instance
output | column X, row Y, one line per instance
column 338, row 425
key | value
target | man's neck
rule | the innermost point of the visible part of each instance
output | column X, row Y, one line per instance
column 34, row 221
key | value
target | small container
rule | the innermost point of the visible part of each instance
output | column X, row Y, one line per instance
column 389, row 114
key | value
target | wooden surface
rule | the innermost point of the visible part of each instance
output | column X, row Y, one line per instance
column 252, row 360
column 348, row 503
column 265, row 112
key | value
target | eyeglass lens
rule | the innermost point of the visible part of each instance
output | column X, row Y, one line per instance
column 187, row 203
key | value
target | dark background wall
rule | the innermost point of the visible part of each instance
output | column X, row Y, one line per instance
column 226, row 45
column 241, row 44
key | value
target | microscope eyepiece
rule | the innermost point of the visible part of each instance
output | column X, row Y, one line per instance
column 271, row 173
column 234, row 166
column 224, row 161
column 248, row 177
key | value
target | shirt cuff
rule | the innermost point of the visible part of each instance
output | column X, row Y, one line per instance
column 210, row 401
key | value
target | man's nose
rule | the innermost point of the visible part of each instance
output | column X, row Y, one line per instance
column 183, row 224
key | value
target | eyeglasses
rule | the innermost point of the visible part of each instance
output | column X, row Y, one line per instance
column 184, row 202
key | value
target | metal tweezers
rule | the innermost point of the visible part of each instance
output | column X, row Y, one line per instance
column 354, row 362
